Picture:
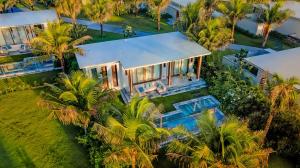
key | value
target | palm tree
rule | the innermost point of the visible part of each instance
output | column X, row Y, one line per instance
column 158, row 6
column 273, row 16
column 234, row 10
column 70, row 8
column 230, row 144
column 99, row 11
column 207, row 8
column 282, row 96
column 56, row 41
column 6, row 4
column 74, row 100
column 190, row 14
column 135, row 139
column 135, row 5
column 212, row 34
column 30, row 3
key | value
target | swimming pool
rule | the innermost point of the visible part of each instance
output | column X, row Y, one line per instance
column 187, row 112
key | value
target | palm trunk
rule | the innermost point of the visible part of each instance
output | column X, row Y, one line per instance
column 233, row 30
column 266, row 39
column 267, row 126
column 133, row 160
column 62, row 62
column 158, row 19
column 101, row 30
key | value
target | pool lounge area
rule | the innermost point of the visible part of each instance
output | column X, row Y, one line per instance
column 187, row 113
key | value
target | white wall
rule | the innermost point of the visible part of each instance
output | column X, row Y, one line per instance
column 290, row 27
column 172, row 11
column 251, row 26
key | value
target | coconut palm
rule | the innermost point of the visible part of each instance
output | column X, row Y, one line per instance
column 158, row 6
column 56, row 41
column 212, row 34
column 29, row 3
column 190, row 14
column 230, row 144
column 70, row 8
column 6, row 4
column 234, row 10
column 99, row 11
column 282, row 96
column 272, row 17
column 207, row 8
column 74, row 100
column 135, row 139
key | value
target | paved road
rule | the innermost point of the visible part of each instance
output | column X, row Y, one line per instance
column 106, row 27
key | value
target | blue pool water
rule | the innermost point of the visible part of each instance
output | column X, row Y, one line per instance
column 187, row 112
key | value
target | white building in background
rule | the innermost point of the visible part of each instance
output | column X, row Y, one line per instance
column 175, row 7
column 17, row 29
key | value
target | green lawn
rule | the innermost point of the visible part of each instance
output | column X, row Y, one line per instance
column 273, row 42
column 14, row 58
column 107, row 36
column 141, row 23
column 170, row 100
column 29, row 139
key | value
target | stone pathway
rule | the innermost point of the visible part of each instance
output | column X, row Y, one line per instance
column 106, row 27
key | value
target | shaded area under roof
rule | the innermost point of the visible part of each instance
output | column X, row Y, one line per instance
column 286, row 63
column 141, row 51
column 27, row 18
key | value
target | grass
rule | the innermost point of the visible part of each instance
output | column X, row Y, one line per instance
column 273, row 42
column 170, row 100
column 29, row 139
column 107, row 36
column 14, row 58
column 141, row 23
column 40, row 78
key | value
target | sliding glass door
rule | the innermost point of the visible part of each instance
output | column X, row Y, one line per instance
column 145, row 74
column 180, row 67
column 16, row 35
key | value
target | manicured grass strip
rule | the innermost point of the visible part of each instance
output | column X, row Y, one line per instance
column 29, row 139
column 141, row 23
column 107, row 36
column 40, row 78
column 170, row 100
column 14, row 58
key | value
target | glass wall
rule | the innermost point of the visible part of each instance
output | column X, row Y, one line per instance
column 145, row 74
column 16, row 35
column 180, row 67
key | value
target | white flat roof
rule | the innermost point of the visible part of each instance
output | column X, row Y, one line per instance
column 184, row 3
column 294, row 6
column 286, row 63
column 141, row 51
column 27, row 18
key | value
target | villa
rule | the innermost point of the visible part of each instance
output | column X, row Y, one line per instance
column 175, row 6
column 285, row 63
column 157, row 64
column 17, row 29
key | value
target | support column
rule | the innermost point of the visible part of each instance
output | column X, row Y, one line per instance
column 169, row 73
column 199, row 63
column 130, row 81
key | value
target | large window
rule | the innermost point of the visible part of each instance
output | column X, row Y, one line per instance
column 145, row 74
column 16, row 35
column 180, row 67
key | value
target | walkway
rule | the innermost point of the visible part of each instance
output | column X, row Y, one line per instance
column 106, row 27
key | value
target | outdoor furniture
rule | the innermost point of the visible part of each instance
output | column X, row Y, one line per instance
column 145, row 88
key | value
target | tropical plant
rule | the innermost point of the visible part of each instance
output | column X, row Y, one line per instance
column 282, row 96
column 230, row 144
column 75, row 100
column 272, row 17
column 135, row 138
column 190, row 14
column 158, row 6
column 234, row 10
column 56, row 41
column 29, row 3
column 6, row 4
column 211, row 34
column 99, row 11
column 207, row 8
column 69, row 8
column 134, row 4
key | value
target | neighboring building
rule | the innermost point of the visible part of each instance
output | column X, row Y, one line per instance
column 285, row 63
column 291, row 27
column 17, row 29
column 144, row 64
column 175, row 7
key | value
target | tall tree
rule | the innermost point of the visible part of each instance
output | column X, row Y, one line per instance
column 29, row 3
column 70, row 8
column 230, row 144
column 212, row 34
column 272, row 17
column 99, row 11
column 56, row 41
column 6, row 4
column 134, row 139
column 190, row 14
column 74, row 100
column 282, row 95
column 207, row 8
column 234, row 10
column 158, row 6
